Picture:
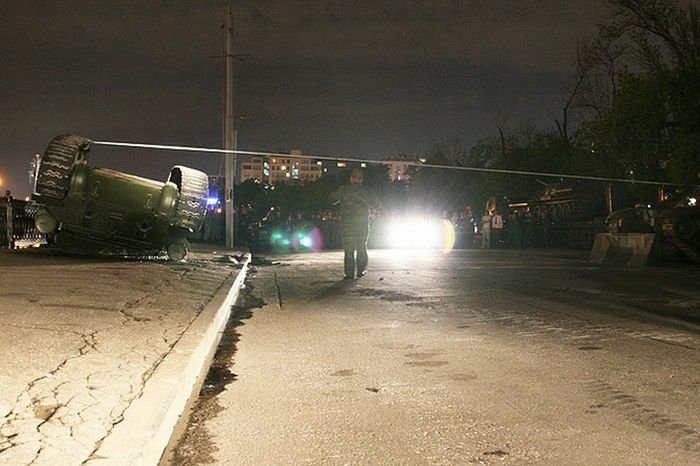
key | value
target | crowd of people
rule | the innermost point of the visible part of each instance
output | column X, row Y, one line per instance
column 518, row 229
column 514, row 229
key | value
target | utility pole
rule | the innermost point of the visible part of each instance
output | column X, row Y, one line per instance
column 229, row 134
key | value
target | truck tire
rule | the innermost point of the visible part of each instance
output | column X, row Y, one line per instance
column 53, row 175
column 193, row 186
column 45, row 222
column 178, row 250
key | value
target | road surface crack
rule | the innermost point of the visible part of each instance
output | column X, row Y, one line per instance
column 279, row 292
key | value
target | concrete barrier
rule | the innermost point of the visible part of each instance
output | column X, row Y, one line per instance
column 629, row 249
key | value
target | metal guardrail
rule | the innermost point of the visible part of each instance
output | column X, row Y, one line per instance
column 17, row 229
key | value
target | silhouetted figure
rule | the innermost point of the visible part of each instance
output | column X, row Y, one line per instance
column 355, row 200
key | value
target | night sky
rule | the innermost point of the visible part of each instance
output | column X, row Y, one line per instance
column 362, row 79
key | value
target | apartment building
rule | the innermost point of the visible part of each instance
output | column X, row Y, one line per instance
column 401, row 167
column 282, row 168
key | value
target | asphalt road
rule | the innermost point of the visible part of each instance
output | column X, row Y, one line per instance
column 475, row 357
column 98, row 356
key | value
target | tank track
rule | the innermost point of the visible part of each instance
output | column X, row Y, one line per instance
column 681, row 227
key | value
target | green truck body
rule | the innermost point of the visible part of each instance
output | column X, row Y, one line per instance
column 102, row 211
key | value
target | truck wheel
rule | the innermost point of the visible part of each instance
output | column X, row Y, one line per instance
column 53, row 176
column 45, row 222
column 177, row 250
column 191, row 207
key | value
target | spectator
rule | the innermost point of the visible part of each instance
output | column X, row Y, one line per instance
column 486, row 230
column 515, row 230
column 355, row 201
column 496, row 229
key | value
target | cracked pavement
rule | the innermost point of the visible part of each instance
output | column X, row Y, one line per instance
column 80, row 338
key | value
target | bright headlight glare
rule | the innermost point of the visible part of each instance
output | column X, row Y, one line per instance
column 421, row 233
column 305, row 241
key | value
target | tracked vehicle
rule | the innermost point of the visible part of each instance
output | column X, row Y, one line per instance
column 675, row 226
column 573, row 213
column 101, row 211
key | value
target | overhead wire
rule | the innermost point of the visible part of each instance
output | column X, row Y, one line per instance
column 379, row 162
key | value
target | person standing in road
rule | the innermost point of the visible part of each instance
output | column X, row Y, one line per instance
column 355, row 200
column 497, row 229
column 486, row 230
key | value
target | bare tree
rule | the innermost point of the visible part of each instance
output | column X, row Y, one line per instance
column 660, row 30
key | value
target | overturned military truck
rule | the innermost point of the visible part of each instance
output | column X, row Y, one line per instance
column 94, row 210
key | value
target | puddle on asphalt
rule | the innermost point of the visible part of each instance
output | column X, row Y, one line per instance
column 220, row 375
column 194, row 445
column 261, row 261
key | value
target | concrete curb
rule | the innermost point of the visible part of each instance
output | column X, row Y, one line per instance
column 149, row 422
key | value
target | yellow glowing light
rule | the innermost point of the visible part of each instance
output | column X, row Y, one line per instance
column 449, row 236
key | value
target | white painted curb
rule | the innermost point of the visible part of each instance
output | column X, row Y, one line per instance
column 149, row 422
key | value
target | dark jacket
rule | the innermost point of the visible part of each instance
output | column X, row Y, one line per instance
column 355, row 201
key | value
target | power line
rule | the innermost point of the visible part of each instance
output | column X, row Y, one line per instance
column 417, row 164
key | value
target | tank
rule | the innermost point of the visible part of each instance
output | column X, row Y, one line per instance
column 570, row 213
column 560, row 204
column 102, row 211
column 675, row 224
